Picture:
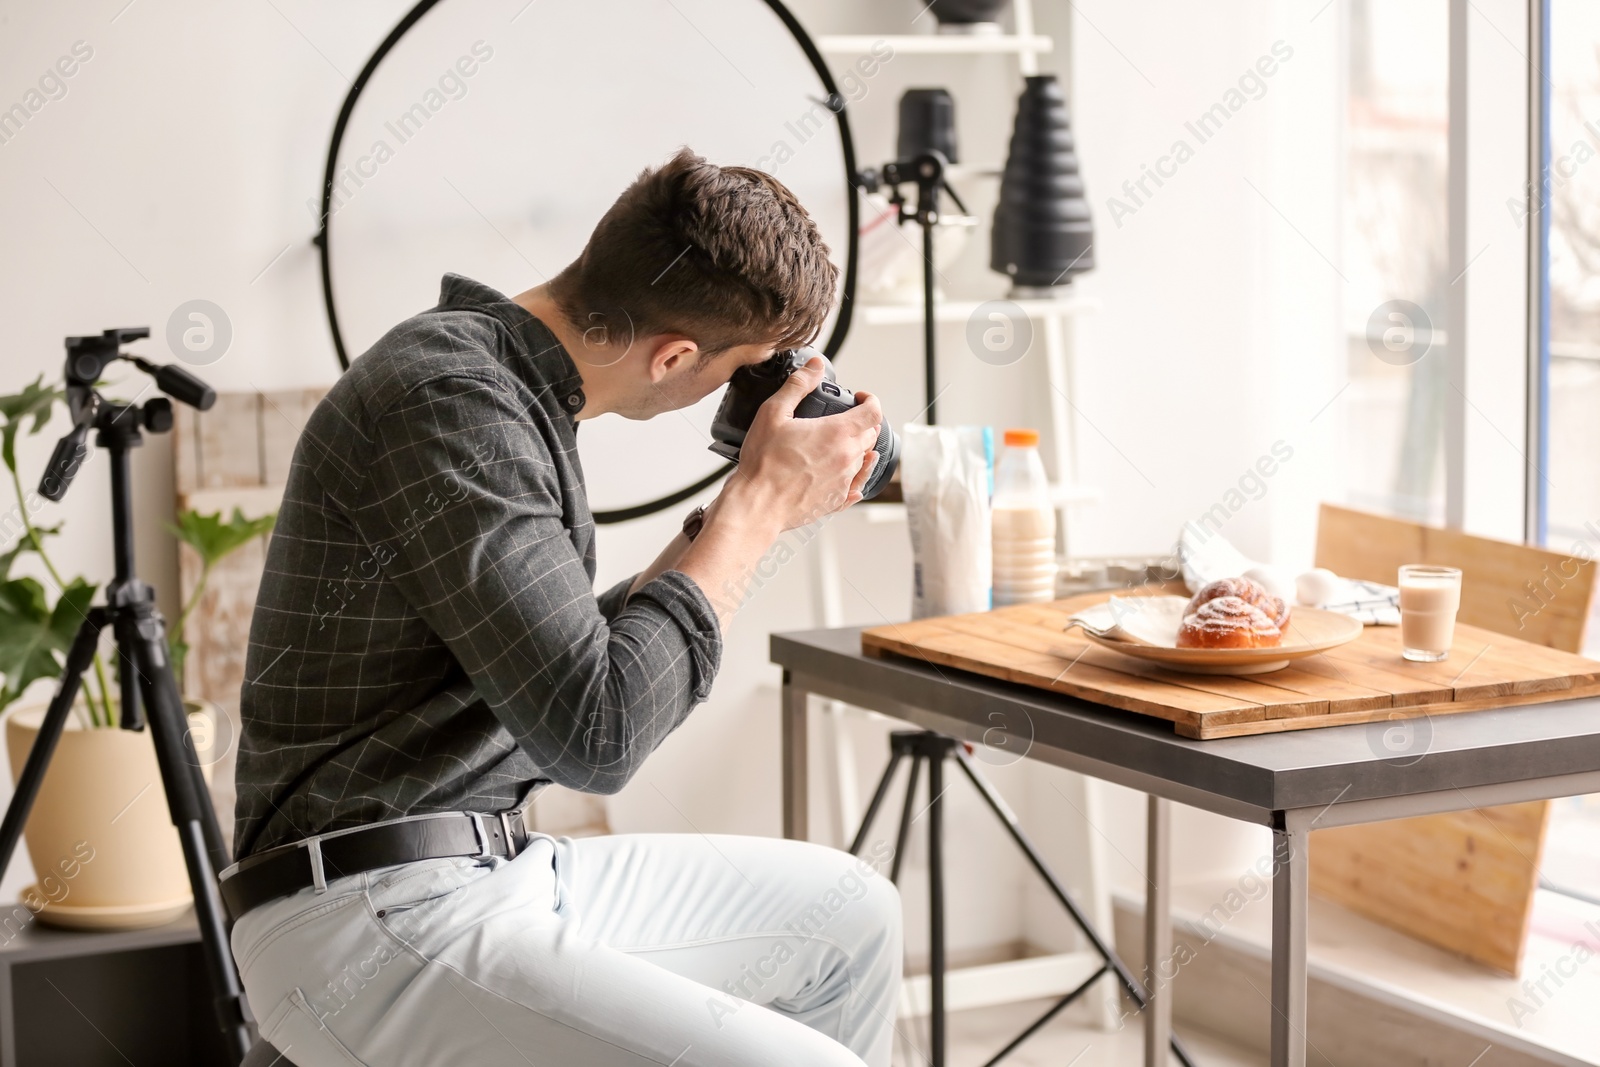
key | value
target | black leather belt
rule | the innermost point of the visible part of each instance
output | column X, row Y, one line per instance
column 316, row 861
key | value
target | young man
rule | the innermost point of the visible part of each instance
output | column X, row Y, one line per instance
column 427, row 644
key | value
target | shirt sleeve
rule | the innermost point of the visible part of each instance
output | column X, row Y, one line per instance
column 612, row 599
column 468, row 519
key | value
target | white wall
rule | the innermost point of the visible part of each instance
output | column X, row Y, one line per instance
column 179, row 163
column 1219, row 332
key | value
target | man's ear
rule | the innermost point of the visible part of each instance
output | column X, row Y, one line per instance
column 672, row 353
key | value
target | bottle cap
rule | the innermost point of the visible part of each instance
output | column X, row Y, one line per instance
column 1022, row 438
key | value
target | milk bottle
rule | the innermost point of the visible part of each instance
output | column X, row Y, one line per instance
column 1023, row 524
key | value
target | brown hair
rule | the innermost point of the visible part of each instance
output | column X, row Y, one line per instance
column 723, row 255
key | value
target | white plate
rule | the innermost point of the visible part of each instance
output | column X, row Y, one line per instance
column 1311, row 631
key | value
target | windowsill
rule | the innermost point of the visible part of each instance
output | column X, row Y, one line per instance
column 1348, row 950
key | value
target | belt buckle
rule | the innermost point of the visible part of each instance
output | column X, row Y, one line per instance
column 511, row 837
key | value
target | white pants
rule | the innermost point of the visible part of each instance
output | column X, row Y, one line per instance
column 645, row 949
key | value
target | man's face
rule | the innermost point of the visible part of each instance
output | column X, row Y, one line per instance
column 692, row 378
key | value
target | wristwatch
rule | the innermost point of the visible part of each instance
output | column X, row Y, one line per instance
column 695, row 520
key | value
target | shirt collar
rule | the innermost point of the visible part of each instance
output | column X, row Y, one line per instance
column 543, row 360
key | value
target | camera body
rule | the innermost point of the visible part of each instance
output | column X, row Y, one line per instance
column 750, row 387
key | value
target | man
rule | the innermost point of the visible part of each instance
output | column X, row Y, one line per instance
column 427, row 643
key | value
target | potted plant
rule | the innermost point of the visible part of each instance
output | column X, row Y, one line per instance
column 100, row 834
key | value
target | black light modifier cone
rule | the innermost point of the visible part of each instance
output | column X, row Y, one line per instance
column 1043, row 234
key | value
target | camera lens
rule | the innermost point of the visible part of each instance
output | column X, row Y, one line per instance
column 888, row 449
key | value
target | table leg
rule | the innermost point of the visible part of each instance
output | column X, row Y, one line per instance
column 794, row 731
column 1290, row 882
column 1157, row 931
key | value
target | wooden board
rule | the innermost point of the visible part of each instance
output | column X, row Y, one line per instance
column 1458, row 880
column 1364, row 681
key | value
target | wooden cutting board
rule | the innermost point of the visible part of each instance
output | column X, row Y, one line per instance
column 1363, row 681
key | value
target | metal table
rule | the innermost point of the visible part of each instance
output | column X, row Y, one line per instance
column 1293, row 782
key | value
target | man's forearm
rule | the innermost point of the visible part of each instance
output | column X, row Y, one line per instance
column 739, row 528
column 665, row 562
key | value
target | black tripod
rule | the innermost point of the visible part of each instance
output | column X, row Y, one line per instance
column 144, row 669
column 926, row 748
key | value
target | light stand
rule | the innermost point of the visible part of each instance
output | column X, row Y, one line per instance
column 147, row 683
column 927, row 173
column 930, row 749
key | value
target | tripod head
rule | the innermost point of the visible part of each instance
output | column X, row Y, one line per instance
column 926, row 172
column 119, row 425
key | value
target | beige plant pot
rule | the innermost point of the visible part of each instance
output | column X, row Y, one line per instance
column 100, row 834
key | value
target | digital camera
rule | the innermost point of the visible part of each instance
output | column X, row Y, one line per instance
column 750, row 387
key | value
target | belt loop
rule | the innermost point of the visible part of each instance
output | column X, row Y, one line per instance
column 511, row 838
column 314, row 853
column 483, row 834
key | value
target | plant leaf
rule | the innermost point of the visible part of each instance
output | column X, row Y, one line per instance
column 24, row 544
column 37, row 400
column 213, row 538
column 32, row 634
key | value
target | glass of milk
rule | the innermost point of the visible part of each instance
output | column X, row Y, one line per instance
column 1429, row 600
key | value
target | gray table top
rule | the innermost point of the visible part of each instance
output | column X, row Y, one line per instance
column 1246, row 777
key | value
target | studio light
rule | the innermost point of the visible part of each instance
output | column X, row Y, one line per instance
column 968, row 16
column 1042, row 230
column 927, row 124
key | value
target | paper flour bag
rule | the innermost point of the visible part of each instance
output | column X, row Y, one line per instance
column 946, row 475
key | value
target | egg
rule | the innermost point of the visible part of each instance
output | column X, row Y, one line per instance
column 1316, row 587
column 1274, row 580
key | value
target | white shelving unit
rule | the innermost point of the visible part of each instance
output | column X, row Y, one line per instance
column 902, row 314
column 940, row 44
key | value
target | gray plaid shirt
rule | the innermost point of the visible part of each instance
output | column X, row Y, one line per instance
column 427, row 637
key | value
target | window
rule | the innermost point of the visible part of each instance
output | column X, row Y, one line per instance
column 1396, row 256
column 1571, row 432
column 1572, row 441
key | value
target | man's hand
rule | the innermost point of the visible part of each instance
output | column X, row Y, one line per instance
column 807, row 469
column 791, row 472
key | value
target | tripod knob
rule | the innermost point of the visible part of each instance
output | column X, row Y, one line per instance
column 64, row 463
column 158, row 414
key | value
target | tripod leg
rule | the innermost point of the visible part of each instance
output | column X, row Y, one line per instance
column 1003, row 811
column 877, row 802
column 190, row 804
column 158, row 683
column 903, row 835
column 936, row 903
column 128, row 690
column 79, row 656
column 1055, row 1009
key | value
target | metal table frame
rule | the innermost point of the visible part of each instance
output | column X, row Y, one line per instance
column 1292, row 782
